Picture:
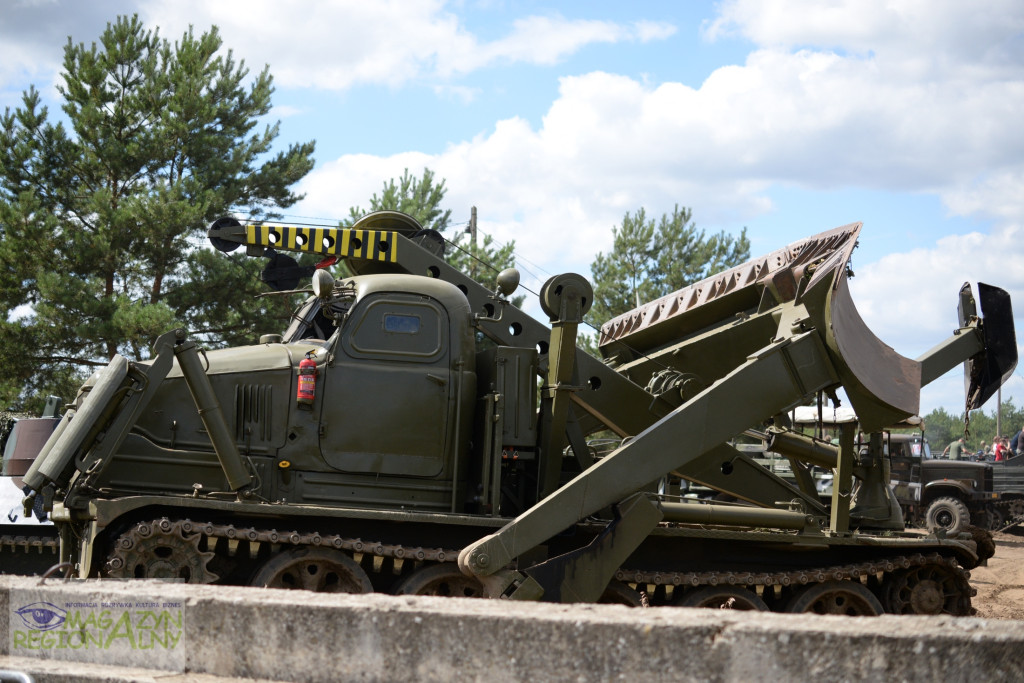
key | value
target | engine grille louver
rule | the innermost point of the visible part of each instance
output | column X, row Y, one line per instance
column 253, row 412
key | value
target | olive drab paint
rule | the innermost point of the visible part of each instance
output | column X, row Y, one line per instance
column 414, row 432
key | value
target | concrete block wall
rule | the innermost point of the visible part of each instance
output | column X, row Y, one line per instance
column 233, row 632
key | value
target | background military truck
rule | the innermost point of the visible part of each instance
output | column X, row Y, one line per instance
column 1008, row 481
column 938, row 493
column 395, row 428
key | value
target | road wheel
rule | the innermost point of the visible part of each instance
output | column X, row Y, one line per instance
column 949, row 514
column 836, row 597
column 723, row 597
column 440, row 579
column 323, row 570
column 618, row 593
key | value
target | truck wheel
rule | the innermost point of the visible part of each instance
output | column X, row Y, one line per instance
column 947, row 513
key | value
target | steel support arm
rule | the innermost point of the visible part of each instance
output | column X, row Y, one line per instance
column 782, row 373
column 943, row 357
column 726, row 469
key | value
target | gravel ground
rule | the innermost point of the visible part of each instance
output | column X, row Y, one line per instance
column 1001, row 584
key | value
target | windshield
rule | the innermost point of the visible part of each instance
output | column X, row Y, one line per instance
column 309, row 322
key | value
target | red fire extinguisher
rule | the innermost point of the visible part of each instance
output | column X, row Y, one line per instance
column 307, row 381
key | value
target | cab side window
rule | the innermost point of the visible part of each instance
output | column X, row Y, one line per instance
column 396, row 327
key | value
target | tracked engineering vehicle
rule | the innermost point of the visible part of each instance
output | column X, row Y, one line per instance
column 28, row 541
column 394, row 439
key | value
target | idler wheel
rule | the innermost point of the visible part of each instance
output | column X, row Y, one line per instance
column 928, row 589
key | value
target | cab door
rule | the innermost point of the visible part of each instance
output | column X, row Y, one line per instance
column 388, row 394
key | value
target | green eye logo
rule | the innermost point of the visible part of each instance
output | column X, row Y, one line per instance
column 41, row 616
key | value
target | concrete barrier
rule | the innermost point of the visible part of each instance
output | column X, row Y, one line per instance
column 299, row 636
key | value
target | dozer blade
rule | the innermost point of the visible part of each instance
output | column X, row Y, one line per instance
column 762, row 282
column 712, row 326
column 986, row 372
column 883, row 386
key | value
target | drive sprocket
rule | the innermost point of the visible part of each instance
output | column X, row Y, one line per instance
column 160, row 549
column 933, row 588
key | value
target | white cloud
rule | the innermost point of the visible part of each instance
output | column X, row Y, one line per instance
column 914, row 97
column 546, row 40
column 909, row 299
column 558, row 190
column 336, row 44
column 647, row 31
column 609, row 144
column 998, row 195
column 327, row 45
column 920, row 96
column 926, row 38
column 852, row 96
column 283, row 111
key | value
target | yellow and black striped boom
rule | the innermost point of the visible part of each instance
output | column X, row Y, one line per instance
column 370, row 245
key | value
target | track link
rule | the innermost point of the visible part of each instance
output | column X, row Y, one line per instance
column 228, row 539
column 41, row 544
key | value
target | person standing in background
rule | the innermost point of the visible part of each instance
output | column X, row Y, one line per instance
column 1017, row 444
column 998, row 450
column 955, row 450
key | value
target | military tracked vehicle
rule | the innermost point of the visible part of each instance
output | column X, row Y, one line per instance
column 393, row 439
column 1008, row 482
column 28, row 540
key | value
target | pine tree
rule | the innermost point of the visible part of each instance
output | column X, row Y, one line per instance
column 421, row 198
column 650, row 259
column 101, row 226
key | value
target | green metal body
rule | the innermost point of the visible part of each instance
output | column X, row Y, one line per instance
column 420, row 433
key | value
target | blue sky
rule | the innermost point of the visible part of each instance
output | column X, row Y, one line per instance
column 786, row 117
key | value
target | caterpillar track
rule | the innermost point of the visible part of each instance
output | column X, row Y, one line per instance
column 29, row 553
column 185, row 549
column 41, row 544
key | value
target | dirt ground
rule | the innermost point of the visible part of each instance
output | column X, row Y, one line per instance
column 1001, row 584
